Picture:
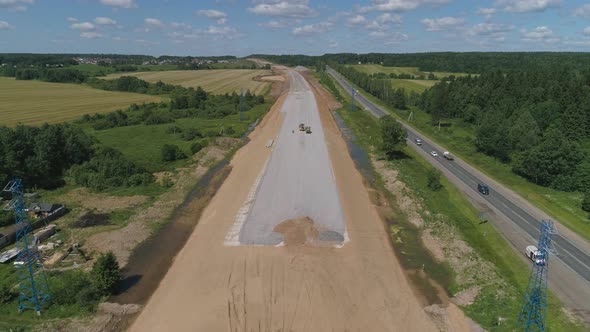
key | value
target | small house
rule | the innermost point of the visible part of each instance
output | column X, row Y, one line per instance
column 43, row 210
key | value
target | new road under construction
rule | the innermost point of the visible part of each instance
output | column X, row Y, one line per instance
column 291, row 241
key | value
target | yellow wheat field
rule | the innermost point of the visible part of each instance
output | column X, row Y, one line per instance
column 217, row 81
column 35, row 102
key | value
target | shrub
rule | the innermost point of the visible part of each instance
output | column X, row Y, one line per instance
column 190, row 134
column 434, row 179
column 196, row 147
column 171, row 152
column 73, row 287
column 109, row 168
column 105, row 274
column 6, row 294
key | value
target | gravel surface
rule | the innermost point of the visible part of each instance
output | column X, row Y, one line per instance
column 298, row 181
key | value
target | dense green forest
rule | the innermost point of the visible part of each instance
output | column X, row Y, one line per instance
column 536, row 120
column 40, row 156
column 470, row 62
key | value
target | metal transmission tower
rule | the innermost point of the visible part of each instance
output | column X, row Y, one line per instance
column 32, row 282
column 352, row 94
column 534, row 307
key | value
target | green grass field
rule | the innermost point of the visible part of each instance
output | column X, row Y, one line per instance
column 373, row 69
column 143, row 143
column 412, row 85
column 217, row 81
column 35, row 102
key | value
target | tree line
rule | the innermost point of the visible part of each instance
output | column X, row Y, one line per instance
column 184, row 103
column 535, row 120
column 379, row 87
column 43, row 156
column 468, row 62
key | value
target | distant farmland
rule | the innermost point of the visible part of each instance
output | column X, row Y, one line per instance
column 34, row 102
column 217, row 81
column 373, row 69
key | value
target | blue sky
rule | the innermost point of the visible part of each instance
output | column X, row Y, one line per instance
column 242, row 27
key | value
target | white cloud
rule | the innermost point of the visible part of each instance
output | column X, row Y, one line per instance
column 117, row 38
column 127, row 4
column 443, row 23
column 83, row 26
column 313, row 28
column 399, row 5
column 16, row 5
column 284, row 8
column 90, row 34
column 583, row 11
column 487, row 29
column 214, row 30
column 72, row 19
column 180, row 25
column 587, row 31
column 395, row 38
column 274, row 24
column 333, row 44
column 388, row 18
column 525, row 6
column 380, row 23
column 104, row 21
column 486, row 11
column 357, row 19
column 539, row 34
column 5, row 26
column 213, row 14
column 153, row 23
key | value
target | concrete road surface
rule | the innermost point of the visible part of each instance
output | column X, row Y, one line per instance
column 298, row 181
column 570, row 272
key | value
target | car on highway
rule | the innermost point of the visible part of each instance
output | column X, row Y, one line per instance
column 434, row 154
column 535, row 255
column 483, row 189
column 418, row 141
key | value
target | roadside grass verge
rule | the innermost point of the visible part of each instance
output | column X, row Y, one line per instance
column 458, row 138
column 496, row 308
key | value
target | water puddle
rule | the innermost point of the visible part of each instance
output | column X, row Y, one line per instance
column 151, row 259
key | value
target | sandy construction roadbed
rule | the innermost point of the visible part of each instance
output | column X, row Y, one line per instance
column 213, row 287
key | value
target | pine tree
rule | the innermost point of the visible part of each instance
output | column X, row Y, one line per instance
column 105, row 274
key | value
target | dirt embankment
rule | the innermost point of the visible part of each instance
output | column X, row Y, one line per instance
column 359, row 287
column 122, row 241
column 446, row 316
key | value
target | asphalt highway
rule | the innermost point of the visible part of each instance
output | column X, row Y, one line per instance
column 570, row 254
